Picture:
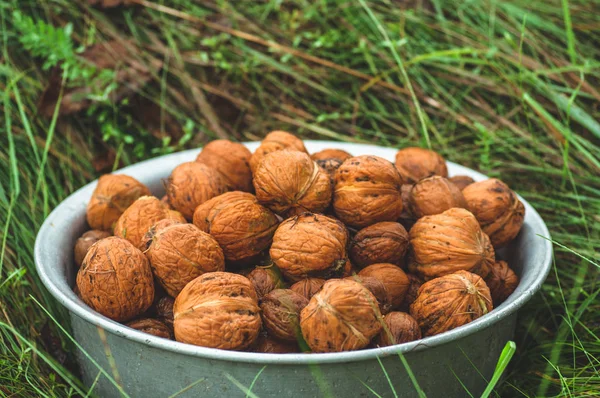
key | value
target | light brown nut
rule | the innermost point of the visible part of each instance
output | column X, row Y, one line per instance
column 308, row 287
column 379, row 290
column 281, row 312
column 231, row 160
column 275, row 141
column 415, row 164
column 384, row 242
column 151, row 326
column 399, row 328
column 327, row 154
column 462, row 181
column 393, row 278
column 502, row 282
column 83, row 244
column 434, row 195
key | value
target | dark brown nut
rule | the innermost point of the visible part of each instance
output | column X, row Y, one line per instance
column 330, row 167
column 84, row 243
column 462, row 181
column 393, row 278
column 413, row 290
column 290, row 182
column 407, row 219
column 308, row 287
column 269, row 345
column 434, row 195
column 415, row 164
column 450, row 301
column 192, row 184
column 384, row 242
column 238, row 222
column 217, row 310
column 281, row 312
column 275, row 141
column 378, row 289
column 310, row 245
column 498, row 210
column 266, row 279
column 231, row 160
column 115, row 279
column 137, row 220
column 112, row 196
column 325, row 154
column 342, row 316
column 399, row 328
column 367, row 191
column 180, row 253
column 164, row 310
column 502, row 282
column 151, row 326
column 448, row 242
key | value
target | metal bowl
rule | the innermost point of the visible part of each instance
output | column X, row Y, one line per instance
column 119, row 360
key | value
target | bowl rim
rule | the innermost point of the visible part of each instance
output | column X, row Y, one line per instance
column 78, row 308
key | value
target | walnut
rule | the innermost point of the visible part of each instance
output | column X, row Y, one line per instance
column 342, row 316
column 231, row 160
column 415, row 164
column 379, row 290
column 308, row 287
column 434, row 195
column 151, row 326
column 384, row 242
column 217, row 310
column 310, row 245
column 149, row 236
column 84, row 243
column 165, row 200
column 181, row 252
column 275, row 141
column 445, row 243
column 399, row 328
column 115, row 279
column 266, row 279
column 289, row 183
column 164, row 310
column 330, row 167
column 325, row 154
column 498, row 210
column 112, row 196
column 407, row 219
column 238, row 222
column 270, row 345
column 411, row 294
column 192, row 184
column 280, row 312
column 450, row 301
column 501, row 281
column 367, row 191
column 393, row 278
column 462, row 181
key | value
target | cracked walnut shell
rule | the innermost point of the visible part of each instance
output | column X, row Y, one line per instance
column 414, row 164
column 399, row 328
column 231, row 160
column 275, row 141
column 281, row 312
column 84, row 243
column 151, row 326
column 384, row 242
column 394, row 280
column 502, row 282
column 434, row 195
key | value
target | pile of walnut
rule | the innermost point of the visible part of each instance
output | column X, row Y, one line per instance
column 281, row 251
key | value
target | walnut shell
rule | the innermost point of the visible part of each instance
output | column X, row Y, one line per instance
column 181, row 252
column 115, row 279
column 290, row 182
column 149, row 236
column 112, row 196
column 434, row 195
column 238, row 222
column 445, row 243
column 407, row 219
column 378, row 289
column 275, row 141
column 85, row 241
column 308, row 287
column 415, row 164
column 450, row 301
column 231, row 160
column 462, row 181
column 393, row 278
column 165, row 200
column 413, row 290
column 164, row 310
column 367, row 191
column 384, row 242
column 281, row 312
column 325, row 154
column 217, row 310
column 310, row 245
column 192, row 184
column 342, row 316
column 497, row 208
column 270, row 345
column 330, row 167
column 399, row 328
column 501, row 281
column 151, row 326
column 266, row 279
column 135, row 222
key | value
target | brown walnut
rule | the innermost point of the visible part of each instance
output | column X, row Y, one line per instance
column 84, row 243
column 231, row 160
column 270, row 345
column 151, row 326
column 502, row 281
column 280, row 313
column 266, row 279
column 393, row 278
column 434, row 195
column 407, row 219
column 325, row 154
column 462, row 181
column 164, row 310
column 147, row 239
column 450, row 301
column 308, row 287
column 399, row 328
column 413, row 291
column 275, row 141
column 384, row 242
column 414, row 164
column 330, row 167
column 379, row 290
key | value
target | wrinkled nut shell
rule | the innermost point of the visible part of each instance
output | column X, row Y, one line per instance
column 330, row 167
column 275, row 141
column 327, row 154
column 86, row 241
column 434, row 195
column 180, row 253
column 115, row 279
column 149, row 236
column 384, row 242
column 448, row 242
column 270, row 345
column 393, row 278
column 151, row 326
column 367, row 191
column 342, row 316
column 502, row 282
column 450, row 301
column 231, row 160
column 308, row 287
column 462, row 181
column 217, row 310
column 112, row 196
column 497, row 208
column 266, row 279
column 415, row 164
column 413, row 291
column 281, row 312
column 378, row 289
column 407, row 219
column 399, row 328
column 164, row 310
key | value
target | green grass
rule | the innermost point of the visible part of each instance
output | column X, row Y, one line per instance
column 499, row 86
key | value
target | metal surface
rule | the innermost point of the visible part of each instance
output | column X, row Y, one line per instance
column 147, row 366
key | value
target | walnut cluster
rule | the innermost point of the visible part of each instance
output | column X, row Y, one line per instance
column 282, row 251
